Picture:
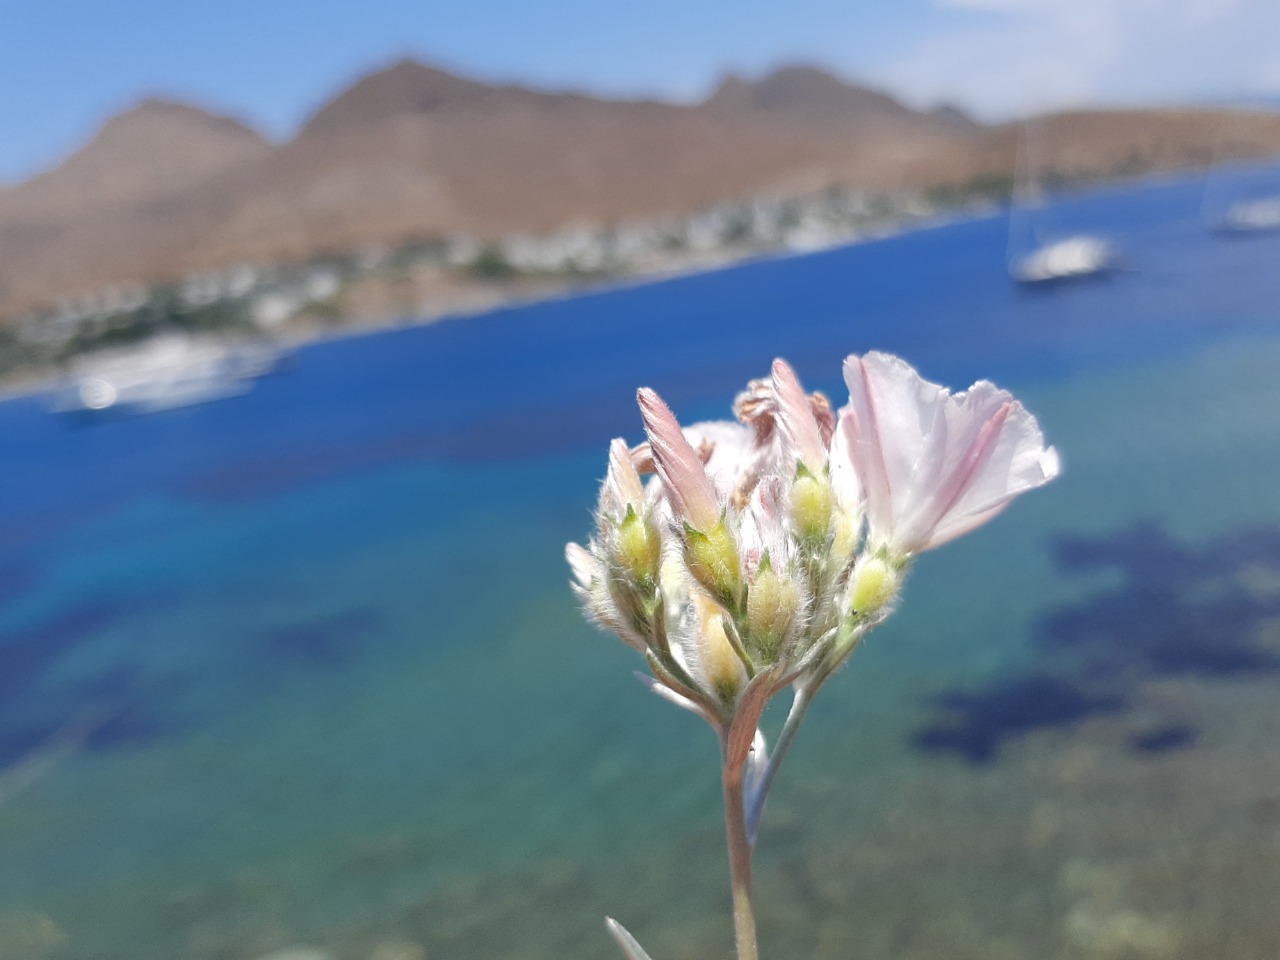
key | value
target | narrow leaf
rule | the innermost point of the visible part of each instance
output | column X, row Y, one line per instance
column 666, row 693
column 626, row 941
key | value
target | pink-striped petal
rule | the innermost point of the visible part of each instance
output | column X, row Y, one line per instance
column 688, row 488
column 795, row 415
column 935, row 465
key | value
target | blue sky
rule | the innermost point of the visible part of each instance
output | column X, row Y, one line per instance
column 65, row 65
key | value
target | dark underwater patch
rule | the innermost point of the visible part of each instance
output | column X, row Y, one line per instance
column 1198, row 610
column 1178, row 610
column 1174, row 736
column 327, row 640
column 119, row 705
column 975, row 725
column 26, row 654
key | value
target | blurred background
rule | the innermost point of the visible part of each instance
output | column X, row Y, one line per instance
column 316, row 320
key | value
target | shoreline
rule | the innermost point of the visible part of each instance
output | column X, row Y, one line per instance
column 475, row 297
column 483, row 299
column 676, row 269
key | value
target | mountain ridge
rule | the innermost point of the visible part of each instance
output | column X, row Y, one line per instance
column 413, row 150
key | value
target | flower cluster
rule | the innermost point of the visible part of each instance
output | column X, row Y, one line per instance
column 763, row 551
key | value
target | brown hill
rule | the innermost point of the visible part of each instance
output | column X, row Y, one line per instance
column 156, row 149
column 410, row 88
column 413, row 150
column 1093, row 144
column 113, row 210
column 806, row 96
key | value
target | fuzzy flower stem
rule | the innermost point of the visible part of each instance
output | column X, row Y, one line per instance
column 744, row 920
column 755, row 802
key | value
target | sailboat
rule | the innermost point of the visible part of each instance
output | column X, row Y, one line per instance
column 1252, row 216
column 1037, row 254
column 1240, row 198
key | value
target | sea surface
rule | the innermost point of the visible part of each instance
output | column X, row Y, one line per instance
column 301, row 668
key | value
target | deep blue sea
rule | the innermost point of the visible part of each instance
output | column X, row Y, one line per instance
column 302, row 668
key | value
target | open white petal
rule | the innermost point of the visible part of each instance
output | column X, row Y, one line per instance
column 935, row 465
column 844, row 476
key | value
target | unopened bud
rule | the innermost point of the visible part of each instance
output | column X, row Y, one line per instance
column 721, row 665
column 639, row 549
column 874, row 585
column 811, row 504
column 713, row 560
column 845, row 540
column 772, row 604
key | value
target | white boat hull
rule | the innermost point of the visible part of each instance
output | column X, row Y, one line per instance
column 163, row 374
column 1070, row 257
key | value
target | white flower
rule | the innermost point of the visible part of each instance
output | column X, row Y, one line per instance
column 745, row 567
column 934, row 465
column 746, row 564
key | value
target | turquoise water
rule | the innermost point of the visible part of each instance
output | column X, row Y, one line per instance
column 302, row 667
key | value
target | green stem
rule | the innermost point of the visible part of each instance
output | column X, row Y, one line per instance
column 799, row 706
column 744, row 921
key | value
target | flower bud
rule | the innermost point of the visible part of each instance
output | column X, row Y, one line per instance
column 712, row 557
column 772, row 604
column 639, row 550
column 722, row 669
column 874, row 585
column 811, row 506
column 845, row 540
column 601, row 603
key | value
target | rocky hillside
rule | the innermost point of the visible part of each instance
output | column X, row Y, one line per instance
column 414, row 151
